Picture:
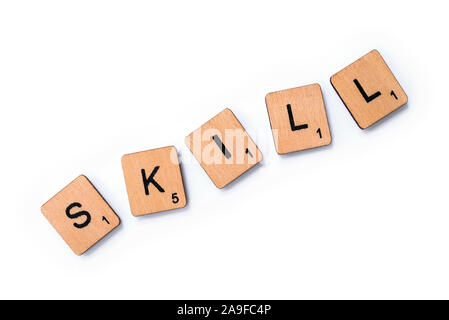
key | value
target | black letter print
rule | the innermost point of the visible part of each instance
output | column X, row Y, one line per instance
column 104, row 219
column 222, row 147
column 150, row 179
column 394, row 95
column 362, row 91
column 77, row 215
column 292, row 121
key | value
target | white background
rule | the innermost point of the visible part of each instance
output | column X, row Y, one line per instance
column 84, row 82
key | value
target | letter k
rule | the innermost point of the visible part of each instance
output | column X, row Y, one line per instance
column 150, row 179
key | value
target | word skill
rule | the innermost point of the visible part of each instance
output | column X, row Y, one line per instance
column 225, row 151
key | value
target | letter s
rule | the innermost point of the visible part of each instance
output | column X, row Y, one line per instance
column 77, row 215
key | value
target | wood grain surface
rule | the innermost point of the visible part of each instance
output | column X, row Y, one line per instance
column 369, row 89
column 80, row 215
column 154, row 181
column 298, row 119
column 223, row 148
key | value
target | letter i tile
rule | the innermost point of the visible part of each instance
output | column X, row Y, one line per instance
column 223, row 148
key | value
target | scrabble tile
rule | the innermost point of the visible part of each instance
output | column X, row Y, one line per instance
column 154, row 181
column 298, row 119
column 223, row 148
column 369, row 89
column 80, row 215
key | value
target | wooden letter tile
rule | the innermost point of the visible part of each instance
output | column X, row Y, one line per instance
column 298, row 119
column 223, row 148
column 80, row 215
column 154, row 181
column 369, row 89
